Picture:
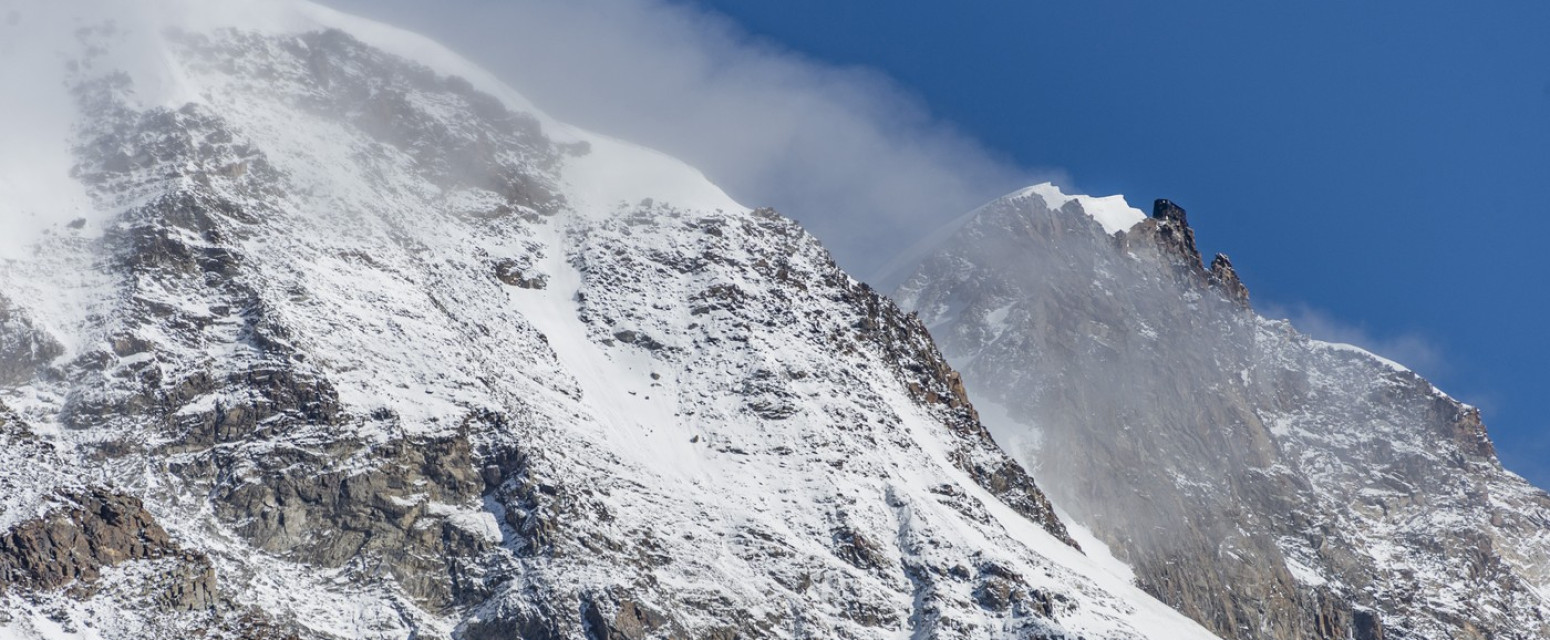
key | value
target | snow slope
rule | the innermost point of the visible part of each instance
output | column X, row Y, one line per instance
column 1112, row 212
column 384, row 352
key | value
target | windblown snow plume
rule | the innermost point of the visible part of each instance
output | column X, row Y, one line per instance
column 327, row 334
column 852, row 156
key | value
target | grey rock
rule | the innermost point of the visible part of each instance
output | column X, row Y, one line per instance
column 1225, row 279
column 71, row 546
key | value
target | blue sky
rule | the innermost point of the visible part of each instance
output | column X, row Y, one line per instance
column 1377, row 171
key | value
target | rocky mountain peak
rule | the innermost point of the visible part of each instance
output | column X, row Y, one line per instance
column 1168, row 229
column 1165, row 209
column 1269, row 485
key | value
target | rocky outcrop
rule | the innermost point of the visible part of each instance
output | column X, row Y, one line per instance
column 511, row 272
column 1224, row 279
column 931, row 381
column 99, row 529
column 1165, row 210
column 1169, row 229
column 620, row 618
column 387, row 513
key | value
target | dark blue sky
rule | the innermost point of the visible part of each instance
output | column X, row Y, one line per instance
column 1379, row 164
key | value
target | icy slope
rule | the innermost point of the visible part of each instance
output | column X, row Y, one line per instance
column 1269, row 485
column 349, row 345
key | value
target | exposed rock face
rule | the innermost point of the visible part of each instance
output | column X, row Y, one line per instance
column 395, row 362
column 1225, row 280
column 510, row 272
column 1163, row 209
column 1170, row 228
column 98, row 530
column 383, row 510
column 1268, row 485
column 907, row 345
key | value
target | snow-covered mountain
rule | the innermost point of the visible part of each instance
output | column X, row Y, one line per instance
column 1270, row 485
column 308, row 329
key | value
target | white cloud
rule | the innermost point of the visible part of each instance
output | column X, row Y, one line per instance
column 43, row 49
column 36, row 190
column 843, row 150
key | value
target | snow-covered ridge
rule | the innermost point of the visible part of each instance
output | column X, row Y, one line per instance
column 614, row 171
column 1351, row 348
column 1113, row 212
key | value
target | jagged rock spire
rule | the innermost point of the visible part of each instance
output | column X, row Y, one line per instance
column 1225, row 279
column 1169, row 227
column 1167, row 210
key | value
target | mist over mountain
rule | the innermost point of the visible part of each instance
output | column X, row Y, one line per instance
column 352, row 342
column 310, row 328
column 1266, row 483
column 856, row 158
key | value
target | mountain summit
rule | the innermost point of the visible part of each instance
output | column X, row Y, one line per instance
column 1270, row 485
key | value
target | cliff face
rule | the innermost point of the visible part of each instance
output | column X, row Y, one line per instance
column 1269, row 485
column 348, row 347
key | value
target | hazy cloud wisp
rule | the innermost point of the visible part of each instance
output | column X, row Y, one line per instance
column 843, row 150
